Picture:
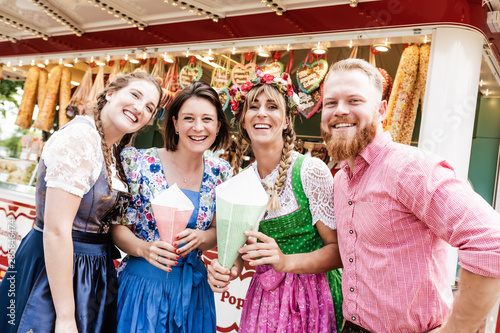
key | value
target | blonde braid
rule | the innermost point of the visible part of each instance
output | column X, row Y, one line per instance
column 117, row 150
column 273, row 204
column 239, row 151
column 101, row 101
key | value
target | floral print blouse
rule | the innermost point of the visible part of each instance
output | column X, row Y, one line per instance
column 146, row 180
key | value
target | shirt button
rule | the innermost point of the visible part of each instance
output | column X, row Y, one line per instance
column 351, row 260
column 353, row 318
column 349, row 202
column 351, row 289
column 351, row 231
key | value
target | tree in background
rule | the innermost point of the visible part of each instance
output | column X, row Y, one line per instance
column 8, row 91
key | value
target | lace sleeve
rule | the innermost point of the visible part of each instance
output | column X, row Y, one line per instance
column 73, row 159
column 318, row 187
column 131, row 167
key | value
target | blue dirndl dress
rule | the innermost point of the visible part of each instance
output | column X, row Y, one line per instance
column 94, row 275
column 148, row 300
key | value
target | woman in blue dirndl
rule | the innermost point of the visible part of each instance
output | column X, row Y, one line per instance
column 63, row 271
column 149, row 300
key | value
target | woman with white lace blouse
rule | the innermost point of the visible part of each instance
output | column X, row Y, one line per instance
column 63, row 273
column 290, row 290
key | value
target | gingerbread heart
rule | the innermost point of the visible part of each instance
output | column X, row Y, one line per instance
column 189, row 74
column 223, row 97
column 248, row 56
column 221, row 78
column 242, row 73
column 309, row 76
column 274, row 68
column 310, row 103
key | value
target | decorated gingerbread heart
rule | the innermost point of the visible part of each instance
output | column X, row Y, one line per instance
column 309, row 76
column 242, row 73
column 274, row 68
column 223, row 97
column 221, row 78
column 189, row 74
column 310, row 102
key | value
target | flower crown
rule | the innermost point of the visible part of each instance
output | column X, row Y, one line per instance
column 283, row 84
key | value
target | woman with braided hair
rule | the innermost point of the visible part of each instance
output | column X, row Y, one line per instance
column 63, row 275
column 297, row 239
column 149, row 299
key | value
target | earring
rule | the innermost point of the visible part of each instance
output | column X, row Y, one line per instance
column 176, row 133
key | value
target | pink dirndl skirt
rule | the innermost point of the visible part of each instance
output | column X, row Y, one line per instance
column 286, row 302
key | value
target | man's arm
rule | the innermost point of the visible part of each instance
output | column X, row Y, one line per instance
column 476, row 296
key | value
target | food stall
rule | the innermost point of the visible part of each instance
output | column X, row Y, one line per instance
column 452, row 106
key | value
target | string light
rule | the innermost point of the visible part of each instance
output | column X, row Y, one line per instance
column 120, row 13
column 481, row 83
column 46, row 61
column 33, row 62
column 60, row 61
column 288, row 47
column 350, row 44
column 487, row 92
column 234, row 50
column 76, row 60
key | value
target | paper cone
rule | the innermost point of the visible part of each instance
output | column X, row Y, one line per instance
column 241, row 203
column 172, row 210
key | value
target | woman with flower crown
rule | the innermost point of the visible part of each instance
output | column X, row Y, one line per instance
column 297, row 239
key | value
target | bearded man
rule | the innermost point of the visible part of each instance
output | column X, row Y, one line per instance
column 396, row 208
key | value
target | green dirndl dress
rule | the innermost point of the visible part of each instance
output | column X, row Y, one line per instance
column 295, row 233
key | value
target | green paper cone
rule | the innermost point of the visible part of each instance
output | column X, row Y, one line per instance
column 241, row 203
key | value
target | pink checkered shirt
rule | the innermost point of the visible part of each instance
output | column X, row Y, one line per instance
column 394, row 217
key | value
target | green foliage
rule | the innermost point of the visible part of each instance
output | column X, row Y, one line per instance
column 7, row 91
column 13, row 143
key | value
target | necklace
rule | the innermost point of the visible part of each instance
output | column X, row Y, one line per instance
column 184, row 178
column 179, row 172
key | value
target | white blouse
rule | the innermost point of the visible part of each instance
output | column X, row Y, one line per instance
column 317, row 182
column 74, row 160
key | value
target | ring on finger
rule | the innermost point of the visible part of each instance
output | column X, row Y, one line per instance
column 156, row 258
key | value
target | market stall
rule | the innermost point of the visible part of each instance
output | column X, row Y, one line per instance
column 418, row 55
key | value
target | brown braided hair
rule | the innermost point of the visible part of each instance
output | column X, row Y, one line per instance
column 288, row 140
column 118, row 83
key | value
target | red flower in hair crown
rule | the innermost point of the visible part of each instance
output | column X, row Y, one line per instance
column 283, row 84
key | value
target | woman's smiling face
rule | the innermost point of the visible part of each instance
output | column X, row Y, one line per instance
column 264, row 121
column 196, row 124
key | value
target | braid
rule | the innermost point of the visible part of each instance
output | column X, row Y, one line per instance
column 238, row 156
column 285, row 162
column 101, row 101
column 117, row 150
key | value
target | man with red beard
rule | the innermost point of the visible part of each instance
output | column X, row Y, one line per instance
column 396, row 208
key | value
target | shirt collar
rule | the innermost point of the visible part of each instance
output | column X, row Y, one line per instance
column 371, row 151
